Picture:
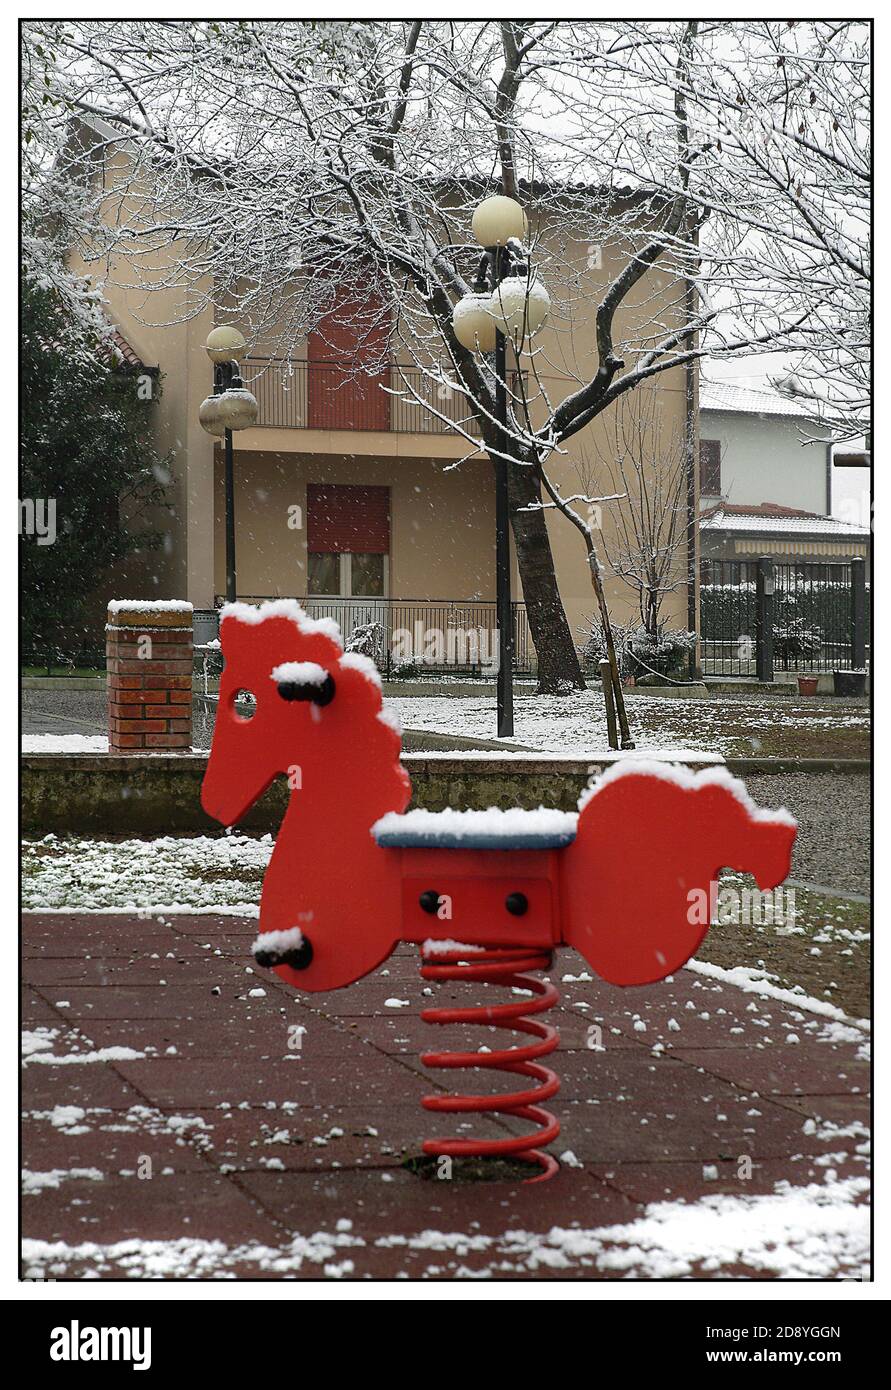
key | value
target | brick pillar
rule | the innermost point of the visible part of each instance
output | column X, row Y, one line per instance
column 148, row 656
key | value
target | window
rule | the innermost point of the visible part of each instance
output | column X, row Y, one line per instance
column 324, row 573
column 348, row 540
column 347, row 575
column 367, row 575
column 710, row 467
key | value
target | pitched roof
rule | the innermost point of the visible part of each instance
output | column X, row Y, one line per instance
column 747, row 400
column 126, row 355
column 769, row 519
column 762, row 509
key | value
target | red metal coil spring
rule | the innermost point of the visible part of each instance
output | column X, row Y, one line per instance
column 500, row 967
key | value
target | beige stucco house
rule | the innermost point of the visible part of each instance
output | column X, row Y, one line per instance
column 347, row 495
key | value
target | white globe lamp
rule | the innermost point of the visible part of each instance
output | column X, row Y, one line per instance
column 473, row 323
column 237, row 408
column 520, row 307
column 497, row 220
column 224, row 343
column 209, row 416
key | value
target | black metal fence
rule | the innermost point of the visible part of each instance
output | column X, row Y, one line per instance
column 46, row 657
column 405, row 636
column 758, row 618
column 727, row 619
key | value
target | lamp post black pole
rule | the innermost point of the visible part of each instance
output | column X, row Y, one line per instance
column 230, row 520
column 223, row 376
column 504, row 612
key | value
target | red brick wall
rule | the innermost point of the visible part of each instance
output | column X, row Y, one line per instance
column 148, row 656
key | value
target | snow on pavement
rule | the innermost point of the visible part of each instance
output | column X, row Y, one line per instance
column 753, row 980
column 819, row 1231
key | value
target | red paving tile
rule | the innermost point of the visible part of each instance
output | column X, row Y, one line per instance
column 684, row 1083
column 673, row 1181
column 797, row 1069
column 199, row 1206
column 409, row 1206
column 116, row 1144
column 90, row 1085
column 344, row 1081
column 839, row 1110
column 685, row 1128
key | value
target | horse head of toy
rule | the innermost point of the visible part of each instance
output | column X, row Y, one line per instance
column 291, row 702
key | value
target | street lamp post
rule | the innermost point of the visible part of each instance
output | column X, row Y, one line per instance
column 230, row 407
column 503, row 604
column 506, row 302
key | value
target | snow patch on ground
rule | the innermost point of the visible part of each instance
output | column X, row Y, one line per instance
column 101, row 1054
column 755, row 981
column 35, row 1040
column 38, row 1044
column 813, row 1232
column 64, row 743
column 35, row 1183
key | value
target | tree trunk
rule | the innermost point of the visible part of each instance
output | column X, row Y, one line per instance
column 558, row 662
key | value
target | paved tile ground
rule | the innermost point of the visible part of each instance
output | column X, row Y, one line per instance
column 194, row 1139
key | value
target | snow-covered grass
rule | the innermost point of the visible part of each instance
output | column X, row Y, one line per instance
column 576, row 724
column 200, row 872
column 820, row 1231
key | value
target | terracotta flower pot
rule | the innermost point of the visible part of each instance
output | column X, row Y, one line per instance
column 807, row 685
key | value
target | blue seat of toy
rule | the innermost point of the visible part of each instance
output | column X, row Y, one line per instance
column 492, row 829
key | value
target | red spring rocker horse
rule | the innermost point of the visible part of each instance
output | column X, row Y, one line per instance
column 487, row 895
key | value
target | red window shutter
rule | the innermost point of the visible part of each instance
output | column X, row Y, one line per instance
column 355, row 332
column 710, row 467
column 345, row 518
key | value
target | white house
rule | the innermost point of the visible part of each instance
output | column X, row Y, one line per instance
column 768, row 481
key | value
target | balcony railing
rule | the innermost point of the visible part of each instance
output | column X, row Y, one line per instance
column 324, row 395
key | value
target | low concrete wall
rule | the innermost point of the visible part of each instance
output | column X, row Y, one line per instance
column 64, row 683
column 152, row 794
column 692, row 690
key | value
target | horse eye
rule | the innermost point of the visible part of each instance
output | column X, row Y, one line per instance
column 320, row 693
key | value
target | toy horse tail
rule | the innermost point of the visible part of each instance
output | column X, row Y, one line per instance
column 639, row 880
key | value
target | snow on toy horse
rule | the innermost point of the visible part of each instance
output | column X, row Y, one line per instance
column 485, row 894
